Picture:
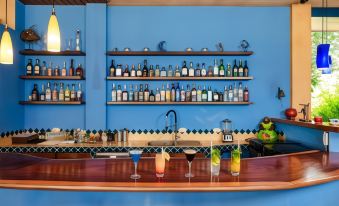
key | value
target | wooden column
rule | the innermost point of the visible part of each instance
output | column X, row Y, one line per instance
column 301, row 55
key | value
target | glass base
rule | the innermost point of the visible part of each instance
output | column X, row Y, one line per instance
column 189, row 175
column 135, row 176
column 215, row 170
column 160, row 174
column 235, row 173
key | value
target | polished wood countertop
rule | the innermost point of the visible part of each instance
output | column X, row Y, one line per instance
column 323, row 127
column 266, row 173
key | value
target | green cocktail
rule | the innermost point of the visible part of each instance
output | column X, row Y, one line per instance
column 215, row 161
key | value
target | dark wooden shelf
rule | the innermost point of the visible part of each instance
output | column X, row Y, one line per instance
column 326, row 128
column 179, row 78
column 50, row 103
column 61, row 2
column 52, row 77
column 178, row 53
column 48, row 53
column 179, row 103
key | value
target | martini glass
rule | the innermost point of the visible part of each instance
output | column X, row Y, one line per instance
column 190, row 154
column 135, row 155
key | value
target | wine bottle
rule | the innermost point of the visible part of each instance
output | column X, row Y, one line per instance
column 184, row 70
column 221, row 68
column 112, row 69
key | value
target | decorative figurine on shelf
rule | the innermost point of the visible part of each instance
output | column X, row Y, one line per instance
column 267, row 131
column 291, row 113
column 77, row 41
column 220, row 47
column 30, row 36
column 244, row 45
column 162, row 46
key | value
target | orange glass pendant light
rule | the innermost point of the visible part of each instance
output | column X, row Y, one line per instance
column 6, row 47
column 53, row 33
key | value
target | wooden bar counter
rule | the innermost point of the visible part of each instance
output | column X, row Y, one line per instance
column 298, row 170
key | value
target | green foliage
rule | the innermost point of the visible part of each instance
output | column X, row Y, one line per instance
column 329, row 107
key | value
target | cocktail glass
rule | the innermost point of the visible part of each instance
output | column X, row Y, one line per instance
column 135, row 155
column 159, row 165
column 190, row 154
column 215, row 162
column 235, row 162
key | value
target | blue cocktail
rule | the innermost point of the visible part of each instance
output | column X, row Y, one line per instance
column 135, row 155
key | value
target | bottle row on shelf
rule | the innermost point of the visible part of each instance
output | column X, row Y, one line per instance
column 177, row 94
column 44, row 70
column 218, row 70
column 55, row 94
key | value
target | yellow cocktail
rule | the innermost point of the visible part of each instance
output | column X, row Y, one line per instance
column 235, row 162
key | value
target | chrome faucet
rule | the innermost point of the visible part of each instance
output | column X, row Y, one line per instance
column 176, row 137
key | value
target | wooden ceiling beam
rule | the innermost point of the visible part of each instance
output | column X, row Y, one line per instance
column 61, row 2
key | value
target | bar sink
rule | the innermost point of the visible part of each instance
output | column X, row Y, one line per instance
column 183, row 143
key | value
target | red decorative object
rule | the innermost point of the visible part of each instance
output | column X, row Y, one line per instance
column 318, row 120
column 291, row 113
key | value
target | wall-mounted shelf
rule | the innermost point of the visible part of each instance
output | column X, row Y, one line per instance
column 179, row 78
column 50, row 103
column 52, row 77
column 178, row 53
column 179, row 103
column 48, row 53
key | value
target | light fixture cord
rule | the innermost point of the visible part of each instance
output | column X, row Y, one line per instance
column 326, row 18
column 322, row 22
column 6, row 13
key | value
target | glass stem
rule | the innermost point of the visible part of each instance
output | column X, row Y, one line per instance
column 189, row 167
column 135, row 167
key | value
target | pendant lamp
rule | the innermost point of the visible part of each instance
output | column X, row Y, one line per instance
column 53, row 33
column 6, row 47
column 323, row 59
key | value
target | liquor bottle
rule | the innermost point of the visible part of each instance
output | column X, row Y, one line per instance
column 125, row 94
column 182, row 94
column 37, row 67
column 151, row 71
column 210, row 71
column 77, row 41
column 240, row 93
column 163, row 72
column 61, row 92
column 170, row 71
column 188, row 94
column 246, row 70
column 56, row 71
column 133, row 71
column 118, row 71
column 203, row 70
column 157, row 71
column 50, row 70
column 215, row 68
column 194, row 94
column 119, row 94
column 151, row 96
column 221, row 68
column 173, row 93
column 55, row 94
column 235, row 69
column 139, row 72
column 230, row 94
column 43, row 69
column 184, row 70
column 71, row 68
column 145, row 69
column 136, row 93
column 204, row 95
column 168, row 94
column 29, row 68
column 197, row 71
column 79, row 71
column 199, row 94
column 131, row 93
column 157, row 95
column 79, row 93
column 228, row 71
column 240, row 69
column 73, row 93
column 209, row 94
column 146, row 93
column 114, row 93
column 126, row 72
column 177, row 93
column 112, row 69
column 35, row 93
column 141, row 94
column 48, row 94
column 67, row 94
column 64, row 70
column 235, row 93
column 163, row 94
column 225, row 94
column 215, row 96
column 191, row 70
column 177, row 71
column 246, row 95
